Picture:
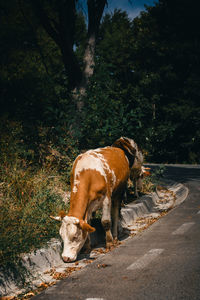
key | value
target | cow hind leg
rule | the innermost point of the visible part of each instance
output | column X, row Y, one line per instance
column 106, row 221
column 136, row 188
column 116, row 208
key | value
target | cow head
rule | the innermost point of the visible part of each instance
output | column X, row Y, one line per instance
column 73, row 233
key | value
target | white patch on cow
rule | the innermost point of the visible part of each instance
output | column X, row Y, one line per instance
column 92, row 160
column 105, row 164
column 76, row 183
column 72, row 220
column 106, row 209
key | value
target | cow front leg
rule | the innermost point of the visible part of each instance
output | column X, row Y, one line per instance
column 138, row 186
column 87, row 246
column 106, row 221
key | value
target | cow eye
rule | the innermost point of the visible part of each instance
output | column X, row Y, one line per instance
column 73, row 238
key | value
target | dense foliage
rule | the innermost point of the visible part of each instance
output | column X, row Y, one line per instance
column 145, row 84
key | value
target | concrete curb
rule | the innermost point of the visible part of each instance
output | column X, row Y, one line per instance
column 38, row 263
column 164, row 199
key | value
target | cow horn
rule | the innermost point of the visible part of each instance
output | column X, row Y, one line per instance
column 58, row 218
column 61, row 215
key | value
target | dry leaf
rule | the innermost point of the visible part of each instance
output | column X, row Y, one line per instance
column 88, row 261
column 43, row 285
column 59, row 275
column 29, row 294
column 101, row 266
column 100, row 250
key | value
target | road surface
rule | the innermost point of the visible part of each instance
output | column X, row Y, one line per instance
column 163, row 262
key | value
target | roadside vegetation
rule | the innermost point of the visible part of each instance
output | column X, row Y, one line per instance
column 31, row 190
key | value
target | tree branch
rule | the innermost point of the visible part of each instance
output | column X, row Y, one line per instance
column 45, row 21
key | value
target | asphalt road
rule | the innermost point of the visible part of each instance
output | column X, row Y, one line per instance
column 163, row 262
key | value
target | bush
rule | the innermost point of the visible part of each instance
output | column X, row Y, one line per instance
column 30, row 191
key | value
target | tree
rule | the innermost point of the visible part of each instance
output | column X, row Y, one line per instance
column 59, row 19
column 167, row 63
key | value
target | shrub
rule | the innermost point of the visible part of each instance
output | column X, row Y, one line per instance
column 30, row 191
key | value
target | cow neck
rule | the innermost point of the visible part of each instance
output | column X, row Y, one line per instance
column 129, row 156
column 78, row 205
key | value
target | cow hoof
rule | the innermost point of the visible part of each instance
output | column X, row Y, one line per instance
column 109, row 245
column 115, row 241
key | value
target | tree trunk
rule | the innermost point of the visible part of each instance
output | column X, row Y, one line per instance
column 89, row 63
column 61, row 28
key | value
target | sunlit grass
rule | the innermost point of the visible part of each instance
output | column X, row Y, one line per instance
column 28, row 198
column 29, row 194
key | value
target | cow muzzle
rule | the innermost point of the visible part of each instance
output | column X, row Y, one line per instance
column 68, row 259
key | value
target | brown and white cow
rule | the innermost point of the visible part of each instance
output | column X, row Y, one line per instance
column 98, row 180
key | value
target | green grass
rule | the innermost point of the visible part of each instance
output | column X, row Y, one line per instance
column 28, row 198
column 29, row 193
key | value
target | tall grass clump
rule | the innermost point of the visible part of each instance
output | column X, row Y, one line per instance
column 30, row 191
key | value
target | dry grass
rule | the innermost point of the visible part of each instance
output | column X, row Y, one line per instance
column 29, row 194
column 28, row 198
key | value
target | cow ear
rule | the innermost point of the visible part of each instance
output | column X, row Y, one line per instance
column 86, row 227
column 62, row 214
column 146, row 171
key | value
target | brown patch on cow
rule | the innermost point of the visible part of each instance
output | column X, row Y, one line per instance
column 62, row 214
